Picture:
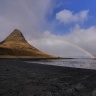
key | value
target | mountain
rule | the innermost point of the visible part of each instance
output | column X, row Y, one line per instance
column 16, row 46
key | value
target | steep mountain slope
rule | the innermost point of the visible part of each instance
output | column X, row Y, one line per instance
column 15, row 45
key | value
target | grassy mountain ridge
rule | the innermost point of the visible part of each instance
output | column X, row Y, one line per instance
column 16, row 45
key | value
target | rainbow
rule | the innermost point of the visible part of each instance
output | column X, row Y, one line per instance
column 74, row 45
column 80, row 48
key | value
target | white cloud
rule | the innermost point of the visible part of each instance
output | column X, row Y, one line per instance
column 66, row 45
column 66, row 16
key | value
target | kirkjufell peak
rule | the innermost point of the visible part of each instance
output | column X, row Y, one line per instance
column 15, row 45
column 15, row 36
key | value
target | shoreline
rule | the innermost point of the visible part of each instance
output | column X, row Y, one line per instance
column 18, row 78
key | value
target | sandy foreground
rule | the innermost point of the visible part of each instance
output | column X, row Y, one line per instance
column 18, row 78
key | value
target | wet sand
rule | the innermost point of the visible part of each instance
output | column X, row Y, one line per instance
column 18, row 78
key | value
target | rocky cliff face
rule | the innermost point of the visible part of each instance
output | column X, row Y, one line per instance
column 16, row 45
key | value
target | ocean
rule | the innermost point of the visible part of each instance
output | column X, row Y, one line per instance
column 88, row 63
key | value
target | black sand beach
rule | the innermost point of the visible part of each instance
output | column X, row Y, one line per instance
column 18, row 78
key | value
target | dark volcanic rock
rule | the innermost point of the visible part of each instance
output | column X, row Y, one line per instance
column 18, row 78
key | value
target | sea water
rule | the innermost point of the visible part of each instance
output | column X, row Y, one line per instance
column 76, row 63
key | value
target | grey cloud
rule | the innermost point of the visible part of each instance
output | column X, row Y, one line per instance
column 29, row 16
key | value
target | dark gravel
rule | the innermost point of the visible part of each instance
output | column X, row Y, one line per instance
column 18, row 78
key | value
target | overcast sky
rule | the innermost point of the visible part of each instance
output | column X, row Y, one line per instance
column 53, row 26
